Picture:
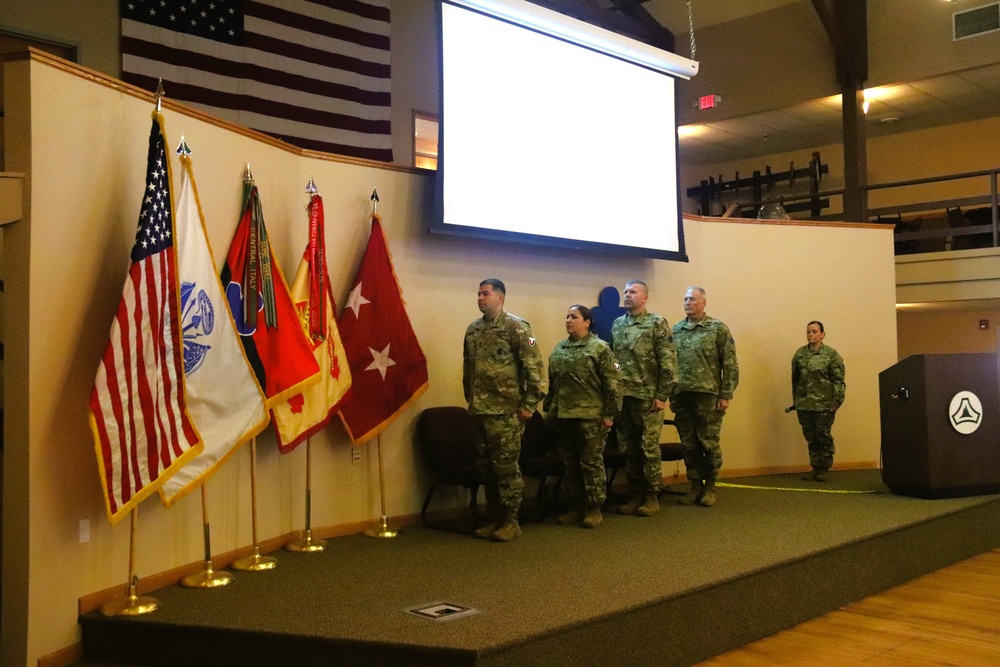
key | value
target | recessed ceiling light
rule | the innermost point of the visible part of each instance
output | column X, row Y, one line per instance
column 889, row 119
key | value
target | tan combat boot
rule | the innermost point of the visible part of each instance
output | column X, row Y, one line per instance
column 708, row 497
column 487, row 531
column 632, row 505
column 592, row 518
column 574, row 516
column 650, row 507
column 508, row 530
column 694, row 495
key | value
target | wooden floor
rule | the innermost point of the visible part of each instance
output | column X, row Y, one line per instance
column 948, row 617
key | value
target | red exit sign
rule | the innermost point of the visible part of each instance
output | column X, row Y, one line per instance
column 708, row 102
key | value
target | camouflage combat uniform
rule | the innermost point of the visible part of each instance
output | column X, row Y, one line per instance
column 817, row 391
column 502, row 374
column 645, row 351
column 584, row 388
column 707, row 372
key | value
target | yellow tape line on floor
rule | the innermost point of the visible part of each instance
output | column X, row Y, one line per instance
column 787, row 488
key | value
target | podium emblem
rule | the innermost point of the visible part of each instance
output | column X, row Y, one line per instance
column 965, row 412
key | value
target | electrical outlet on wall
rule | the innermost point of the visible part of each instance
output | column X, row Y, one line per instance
column 355, row 455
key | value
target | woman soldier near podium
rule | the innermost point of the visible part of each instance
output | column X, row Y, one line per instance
column 817, row 392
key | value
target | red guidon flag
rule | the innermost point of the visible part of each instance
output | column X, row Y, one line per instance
column 307, row 412
column 388, row 368
column 138, row 407
column 269, row 328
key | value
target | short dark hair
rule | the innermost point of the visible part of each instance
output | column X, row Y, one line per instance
column 636, row 281
column 584, row 313
column 496, row 284
column 819, row 324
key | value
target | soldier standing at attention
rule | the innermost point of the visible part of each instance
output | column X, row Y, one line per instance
column 817, row 391
column 644, row 348
column 503, row 381
column 584, row 396
column 707, row 375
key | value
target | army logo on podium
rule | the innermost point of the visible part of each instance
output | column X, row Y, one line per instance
column 965, row 412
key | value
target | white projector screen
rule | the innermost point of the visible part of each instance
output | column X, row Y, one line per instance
column 546, row 141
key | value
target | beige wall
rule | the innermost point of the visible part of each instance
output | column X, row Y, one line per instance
column 68, row 259
column 951, row 332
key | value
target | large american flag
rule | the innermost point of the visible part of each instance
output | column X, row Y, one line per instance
column 312, row 73
column 138, row 407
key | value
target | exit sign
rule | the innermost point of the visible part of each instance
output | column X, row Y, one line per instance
column 708, row 102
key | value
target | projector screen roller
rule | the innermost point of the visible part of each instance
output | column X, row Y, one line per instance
column 546, row 141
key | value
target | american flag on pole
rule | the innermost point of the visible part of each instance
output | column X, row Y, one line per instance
column 138, row 407
column 312, row 73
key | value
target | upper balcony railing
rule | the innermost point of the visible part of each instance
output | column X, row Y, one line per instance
column 929, row 225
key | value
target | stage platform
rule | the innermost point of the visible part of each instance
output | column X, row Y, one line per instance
column 672, row 589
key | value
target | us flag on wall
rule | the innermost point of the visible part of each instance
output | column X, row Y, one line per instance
column 312, row 73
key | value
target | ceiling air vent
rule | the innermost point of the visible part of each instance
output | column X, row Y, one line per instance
column 978, row 21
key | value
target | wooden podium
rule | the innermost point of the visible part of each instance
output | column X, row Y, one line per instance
column 937, row 440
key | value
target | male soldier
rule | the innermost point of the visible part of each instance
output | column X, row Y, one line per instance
column 707, row 377
column 503, row 381
column 644, row 348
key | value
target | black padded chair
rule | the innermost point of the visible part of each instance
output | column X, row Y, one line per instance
column 540, row 460
column 614, row 460
column 446, row 437
column 671, row 451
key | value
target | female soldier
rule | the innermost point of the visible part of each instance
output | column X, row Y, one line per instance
column 584, row 396
column 817, row 391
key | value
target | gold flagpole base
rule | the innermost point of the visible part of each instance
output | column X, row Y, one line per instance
column 382, row 531
column 207, row 578
column 307, row 544
column 256, row 562
column 131, row 605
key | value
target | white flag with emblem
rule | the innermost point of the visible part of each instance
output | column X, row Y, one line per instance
column 224, row 400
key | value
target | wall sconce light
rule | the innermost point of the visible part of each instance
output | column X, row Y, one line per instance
column 984, row 325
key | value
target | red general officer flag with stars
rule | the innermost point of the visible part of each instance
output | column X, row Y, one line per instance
column 138, row 406
column 388, row 368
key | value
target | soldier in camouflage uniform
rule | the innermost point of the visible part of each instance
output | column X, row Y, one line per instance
column 642, row 342
column 707, row 377
column 583, row 398
column 503, row 380
column 817, row 391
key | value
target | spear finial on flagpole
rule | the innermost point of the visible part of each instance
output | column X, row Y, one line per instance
column 159, row 94
column 311, row 188
column 374, row 199
column 249, row 176
column 182, row 148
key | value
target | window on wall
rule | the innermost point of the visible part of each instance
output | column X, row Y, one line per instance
column 425, row 140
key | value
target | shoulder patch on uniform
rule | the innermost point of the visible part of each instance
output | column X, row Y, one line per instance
column 531, row 341
column 617, row 366
column 731, row 340
column 670, row 339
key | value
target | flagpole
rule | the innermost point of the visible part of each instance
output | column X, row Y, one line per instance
column 208, row 577
column 383, row 530
column 307, row 544
column 131, row 604
column 254, row 562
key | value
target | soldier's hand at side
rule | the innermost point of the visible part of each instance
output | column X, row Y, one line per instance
column 657, row 405
column 722, row 404
column 524, row 414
